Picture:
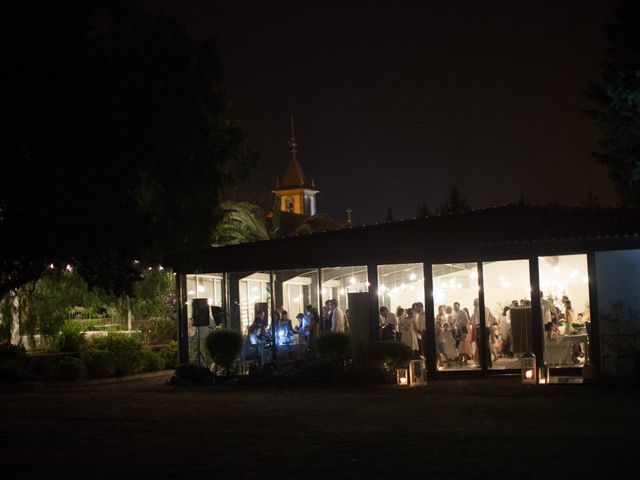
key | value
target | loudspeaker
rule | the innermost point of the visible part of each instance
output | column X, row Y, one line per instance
column 200, row 309
column 219, row 315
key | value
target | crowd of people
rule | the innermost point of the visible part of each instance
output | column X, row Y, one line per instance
column 457, row 330
column 306, row 329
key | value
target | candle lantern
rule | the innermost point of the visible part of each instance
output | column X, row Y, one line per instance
column 528, row 368
column 402, row 375
column 417, row 373
column 543, row 375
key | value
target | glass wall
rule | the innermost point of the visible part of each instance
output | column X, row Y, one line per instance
column 618, row 277
column 564, row 289
column 508, row 321
column 455, row 286
column 209, row 286
column 254, row 296
column 400, row 288
column 337, row 283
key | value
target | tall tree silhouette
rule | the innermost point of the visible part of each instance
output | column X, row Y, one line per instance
column 618, row 100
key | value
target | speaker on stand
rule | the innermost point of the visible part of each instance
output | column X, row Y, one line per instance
column 200, row 316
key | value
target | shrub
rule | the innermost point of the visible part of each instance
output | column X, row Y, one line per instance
column 14, row 364
column 98, row 363
column 224, row 346
column 161, row 330
column 387, row 356
column 127, row 353
column 169, row 354
column 71, row 338
column 334, row 346
column 71, row 369
column 152, row 361
column 193, row 374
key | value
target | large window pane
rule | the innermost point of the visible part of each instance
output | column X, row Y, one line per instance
column 209, row 286
column 337, row 284
column 564, row 288
column 455, row 286
column 400, row 288
column 618, row 279
column 508, row 323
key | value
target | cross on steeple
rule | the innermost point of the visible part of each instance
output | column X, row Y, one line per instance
column 292, row 142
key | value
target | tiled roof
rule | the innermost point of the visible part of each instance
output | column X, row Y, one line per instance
column 294, row 176
column 506, row 230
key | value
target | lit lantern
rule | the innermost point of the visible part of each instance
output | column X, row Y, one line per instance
column 402, row 375
column 528, row 368
column 543, row 375
column 417, row 373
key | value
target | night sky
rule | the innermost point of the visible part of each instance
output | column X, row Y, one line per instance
column 394, row 102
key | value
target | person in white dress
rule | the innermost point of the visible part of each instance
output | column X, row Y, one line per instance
column 409, row 327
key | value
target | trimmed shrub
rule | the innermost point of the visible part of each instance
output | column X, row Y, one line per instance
column 387, row 356
column 334, row 346
column 169, row 354
column 152, row 361
column 224, row 346
column 98, row 363
column 71, row 338
column 127, row 352
column 193, row 374
column 71, row 369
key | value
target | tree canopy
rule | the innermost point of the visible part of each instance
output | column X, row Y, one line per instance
column 116, row 144
column 618, row 100
column 454, row 203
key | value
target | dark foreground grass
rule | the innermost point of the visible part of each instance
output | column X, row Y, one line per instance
column 487, row 428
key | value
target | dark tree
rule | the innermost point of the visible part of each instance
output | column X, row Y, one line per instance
column 618, row 100
column 389, row 215
column 116, row 147
column 455, row 203
column 423, row 211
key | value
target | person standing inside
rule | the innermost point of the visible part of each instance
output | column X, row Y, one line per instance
column 338, row 320
column 409, row 328
column 421, row 321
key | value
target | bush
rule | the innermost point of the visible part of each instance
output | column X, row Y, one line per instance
column 193, row 374
column 334, row 346
column 71, row 369
column 98, row 363
column 224, row 346
column 71, row 338
column 388, row 356
column 128, row 357
column 14, row 364
column 169, row 354
column 161, row 330
column 152, row 361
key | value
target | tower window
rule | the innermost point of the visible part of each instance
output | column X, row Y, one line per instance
column 288, row 202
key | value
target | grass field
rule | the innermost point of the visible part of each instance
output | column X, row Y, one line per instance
column 484, row 428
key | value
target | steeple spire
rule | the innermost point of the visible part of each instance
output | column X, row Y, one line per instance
column 292, row 142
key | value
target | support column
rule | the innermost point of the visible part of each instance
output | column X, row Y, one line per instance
column 483, row 337
column 537, row 322
column 374, row 308
column 183, row 326
column 429, row 337
column 594, row 314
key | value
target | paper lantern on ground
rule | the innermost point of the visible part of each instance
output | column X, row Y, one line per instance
column 402, row 375
column 417, row 373
column 528, row 368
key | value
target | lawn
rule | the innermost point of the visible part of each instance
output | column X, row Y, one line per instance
column 450, row 429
